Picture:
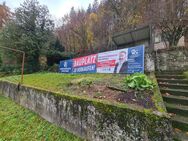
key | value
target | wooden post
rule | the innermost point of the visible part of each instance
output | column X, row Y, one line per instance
column 23, row 62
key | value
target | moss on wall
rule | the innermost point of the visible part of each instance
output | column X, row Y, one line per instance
column 186, row 74
column 90, row 118
column 157, row 97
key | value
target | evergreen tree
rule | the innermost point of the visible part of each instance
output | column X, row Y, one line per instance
column 29, row 31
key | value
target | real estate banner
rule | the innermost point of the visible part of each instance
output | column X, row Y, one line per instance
column 128, row 60
column 86, row 64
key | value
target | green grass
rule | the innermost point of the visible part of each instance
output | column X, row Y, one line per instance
column 19, row 124
column 57, row 82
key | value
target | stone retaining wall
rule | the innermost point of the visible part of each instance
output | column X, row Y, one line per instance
column 91, row 119
column 175, row 59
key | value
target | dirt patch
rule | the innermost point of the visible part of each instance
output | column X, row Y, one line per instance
column 101, row 90
column 142, row 98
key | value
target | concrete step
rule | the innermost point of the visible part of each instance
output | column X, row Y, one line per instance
column 168, row 76
column 174, row 81
column 180, row 122
column 170, row 72
column 180, row 135
column 177, row 109
column 174, row 89
column 173, row 86
column 175, row 99
column 176, row 92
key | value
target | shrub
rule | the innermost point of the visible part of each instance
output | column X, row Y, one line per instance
column 87, row 81
column 54, row 68
column 11, row 69
column 138, row 81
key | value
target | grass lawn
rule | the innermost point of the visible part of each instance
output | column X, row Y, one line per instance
column 54, row 81
column 19, row 124
column 97, row 86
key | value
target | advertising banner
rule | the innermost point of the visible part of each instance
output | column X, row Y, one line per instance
column 129, row 60
column 136, row 59
column 113, row 61
column 66, row 66
column 86, row 64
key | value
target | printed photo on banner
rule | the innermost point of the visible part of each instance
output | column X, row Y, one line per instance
column 122, row 62
column 113, row 61
column 86, row 64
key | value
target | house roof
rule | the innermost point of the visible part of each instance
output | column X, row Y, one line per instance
column 132, row 36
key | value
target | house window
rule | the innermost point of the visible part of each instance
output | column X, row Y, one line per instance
column 157, row 38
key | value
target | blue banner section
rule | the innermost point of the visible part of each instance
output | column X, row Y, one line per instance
column 136, row 59
column 66, row 66
column 85, row 69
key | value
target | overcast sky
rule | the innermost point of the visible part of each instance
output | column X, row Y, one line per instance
column 57, row 8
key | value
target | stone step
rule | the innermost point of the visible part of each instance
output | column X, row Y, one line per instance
column 177, row 109
column 170, row 72
column 177, row 92
column 176, row 99
column 167, row 76
column 180, row 122
column 174, row 86
column 176, row 81
column 180, row 135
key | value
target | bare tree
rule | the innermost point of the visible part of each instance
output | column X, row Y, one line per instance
column 170, row 17
column 128, row 14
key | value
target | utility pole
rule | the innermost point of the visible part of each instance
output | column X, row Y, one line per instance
column 23, row 59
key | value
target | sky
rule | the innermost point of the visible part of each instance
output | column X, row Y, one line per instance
column 57, row 8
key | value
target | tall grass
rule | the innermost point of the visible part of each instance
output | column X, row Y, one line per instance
column 19, row 124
